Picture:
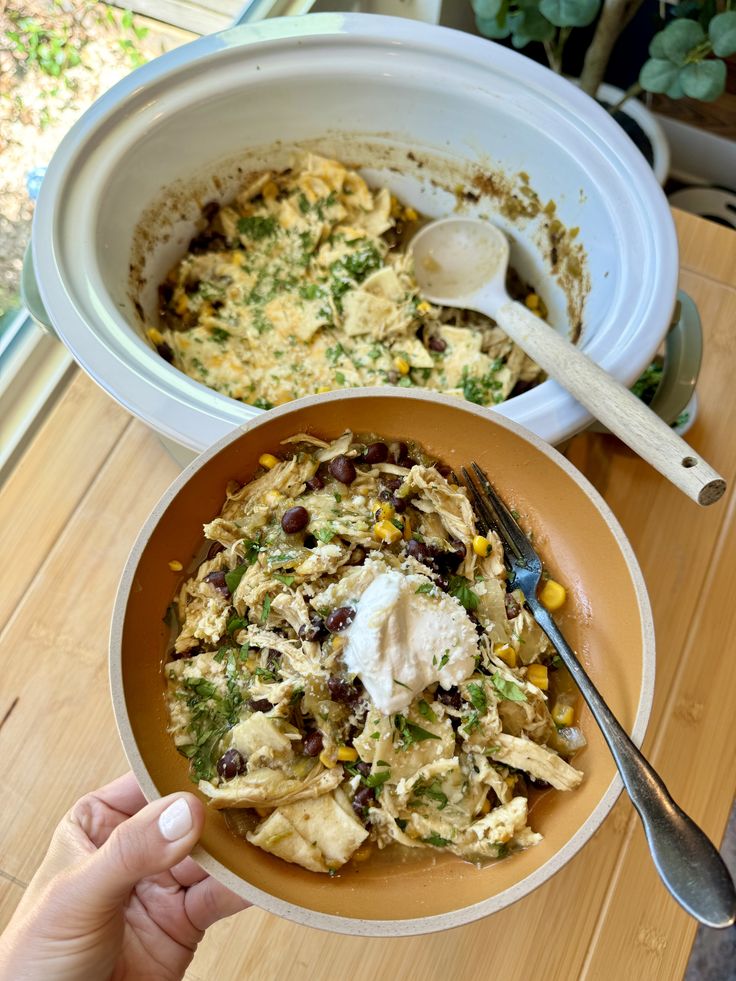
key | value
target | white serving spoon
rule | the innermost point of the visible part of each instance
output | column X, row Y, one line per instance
column 462, row 262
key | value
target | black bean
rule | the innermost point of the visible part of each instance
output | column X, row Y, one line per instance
column 315, row 483
column 364, row 797
column 451, row 697
column 181, row 655
column 443, row 470
column 539, row 783
column 443, row 582
column 165, row 352
column 295, row 519
column 421, row 552
column 437, row 343
column 399, row 452
column 260, row 704
column 375, row 453
column 340, row 618
column 230, row 764
column 399, row 503
column 343, row 469
column 313, row 743
column 210, row 210
column 342, row 691
column 450, row 559
column 215, row 549
column 386, row 495
column 363, row 768
column 392, row 377
column 314, row 630
column 218, row 581
column 512, row 607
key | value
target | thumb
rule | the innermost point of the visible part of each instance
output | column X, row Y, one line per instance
column 155, row 839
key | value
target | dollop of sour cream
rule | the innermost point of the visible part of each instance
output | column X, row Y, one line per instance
column 402, row 640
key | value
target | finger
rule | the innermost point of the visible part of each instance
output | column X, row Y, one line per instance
column 187, row 873
column 210, row 901
column 123, row 794
column 154, row 840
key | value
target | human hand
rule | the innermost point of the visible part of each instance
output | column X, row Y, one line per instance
column 117, row 895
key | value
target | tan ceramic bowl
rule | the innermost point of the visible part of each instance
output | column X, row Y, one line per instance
column 609, row 623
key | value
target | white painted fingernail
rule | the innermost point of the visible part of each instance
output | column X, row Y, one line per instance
column 176, row 820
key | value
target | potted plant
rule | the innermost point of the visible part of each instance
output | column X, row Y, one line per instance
column 685, row 55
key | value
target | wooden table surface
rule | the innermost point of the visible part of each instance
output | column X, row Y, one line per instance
column 68, row 516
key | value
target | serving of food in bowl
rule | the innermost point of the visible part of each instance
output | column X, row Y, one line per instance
column 417, row 122
column 349, row 678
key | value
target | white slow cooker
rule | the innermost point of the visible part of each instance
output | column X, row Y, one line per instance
column 417, row 107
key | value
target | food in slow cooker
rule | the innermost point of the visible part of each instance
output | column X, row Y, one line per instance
column 303, row 284
column 353, row 670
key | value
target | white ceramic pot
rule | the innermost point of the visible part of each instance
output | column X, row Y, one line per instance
column 377, row 92
column 648, row 123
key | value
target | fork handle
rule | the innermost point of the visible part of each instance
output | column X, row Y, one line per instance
column 687, row 861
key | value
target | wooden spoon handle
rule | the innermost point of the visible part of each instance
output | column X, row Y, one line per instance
column 623, row 413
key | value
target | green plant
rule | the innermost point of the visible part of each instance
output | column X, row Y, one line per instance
column 686, row 56
column 34, row 45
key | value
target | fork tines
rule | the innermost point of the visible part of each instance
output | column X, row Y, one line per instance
column 492, row 510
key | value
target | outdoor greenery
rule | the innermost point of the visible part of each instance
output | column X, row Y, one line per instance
column 686, row 55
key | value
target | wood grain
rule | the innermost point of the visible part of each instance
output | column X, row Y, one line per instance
column 606, row 906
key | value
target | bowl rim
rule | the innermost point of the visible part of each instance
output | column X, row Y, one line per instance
column 416, row 925
column 188, row 412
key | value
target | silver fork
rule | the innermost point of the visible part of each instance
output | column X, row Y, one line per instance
column 686, row 860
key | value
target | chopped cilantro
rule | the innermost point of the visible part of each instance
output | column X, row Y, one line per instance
column 426, row 712
column 443, row 660
column 377, row 779
column 219, row 335
column 410, row 732
column 460, row 589
column 266, row 609
column 304, row 205
column 339, row 378
column 507, row 689
column 375, row 735
column 401, row 824
column 286, row 580
column 481, row 389
column 334, row 354
column 433, row 791
column 235, row 623
column 478, row 697
column 426, row 587
column 326, row 533
column 266, row 674
column 437, row 841
column 257, row 227
column 401, row 684
column 471, row 722
column 296, row 696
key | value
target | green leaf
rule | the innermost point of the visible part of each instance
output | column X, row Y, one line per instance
column 411, row 733
column 530, row 25
column 656, row 46
column 286, row 580
column 507, row 689
column 460, row 588
column 570, row 13
column 704, row 80
column 426, row 587
column 433, row 791
column 489, row 27
column 675, row 91
column 478, row 697
column 437, row 841
column 377, row 779
column 257, row 227
column 722, row 33
column 679, row 38
column 486, row 8
column 266, row 674
column 233, row 577
column 266, row 609
column 326, row 533
column 657, row 74
column 235, row 623
column 426, row 712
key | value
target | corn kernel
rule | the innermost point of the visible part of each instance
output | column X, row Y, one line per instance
column 327, row 760
column 268, row 460
column 410, row 214
column 563, row 715
column 407, row 529
column 155, row 336
column 263, row 811
column 346, row 754
column 237, row 258
column 537, row 675
column 337, row 644
column 402, row 365
column 175, row 565
column 273, row 497
column 424, row 307
column 481, row 546
column 270, row 190
column 485, row 806
column 384, row 511
column 510, row 781
column 387, row 532
column 182, row 304
column 206, row 309
column 532, row 301
column 507, row 654
column 363, row 853
column 322, row 389
column 552, row 595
